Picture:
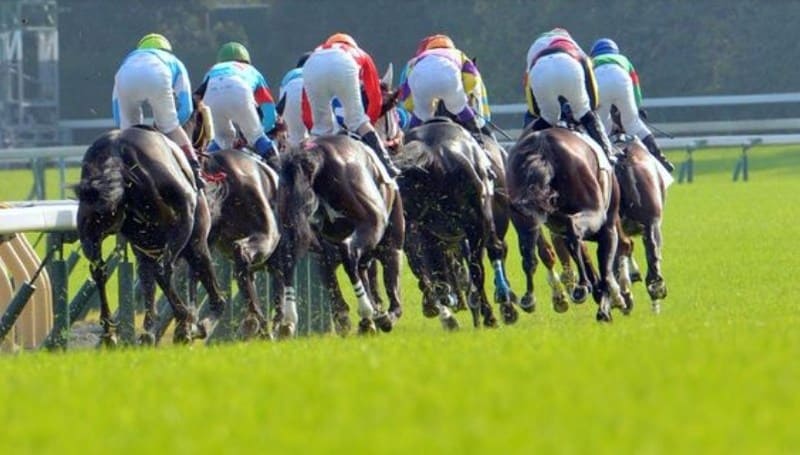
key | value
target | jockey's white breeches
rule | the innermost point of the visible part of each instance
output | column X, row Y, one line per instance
column 232, row 106
column 557, row 75
column 293, row 112
column 144, row 78
column 330, row 73
column 615, row 87
column 436, row 78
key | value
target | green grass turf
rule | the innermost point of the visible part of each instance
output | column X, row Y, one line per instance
column 715, row 372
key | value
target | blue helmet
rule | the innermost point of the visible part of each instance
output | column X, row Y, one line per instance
column 604, row 46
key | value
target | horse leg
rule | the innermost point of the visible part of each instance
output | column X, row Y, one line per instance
column 147, row 284
column 621, row 268
column 364, row 238
column 183, row 317
column 548, row 257
column 574, row 244
column 478, row 290
column 607, row 240
column 390, row 259
column 526, row 239
column 247, row 253
column 93, row 250
column 568, row 276
column 497, row 256
column 656, row 286
column 418, row 263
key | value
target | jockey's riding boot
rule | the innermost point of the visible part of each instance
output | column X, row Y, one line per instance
column 191, row 155
column 371, row 139
column 650, row 142
column 540, row 124
column 268, row 153
column 595, row 129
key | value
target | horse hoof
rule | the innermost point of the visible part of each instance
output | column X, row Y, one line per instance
column 108, row 340
column 528, row 303
column 429, row 310
column 657, row 290
column 510, row 314
column 250, row 328
column 568, row 278
column 285, row 330
column 628, row 298
column 450, row 324
column 384, row 322
column 147, row 339
column 603, row 316
column 579, row 294
column 490, row 322
column 635, row 276
column 341, row 324
column 367, row 327
column 560, row 304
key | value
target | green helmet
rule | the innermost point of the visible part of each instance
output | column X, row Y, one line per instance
column 154, row 41
column 233, row 51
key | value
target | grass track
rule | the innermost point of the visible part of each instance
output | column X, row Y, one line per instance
column 715, row 372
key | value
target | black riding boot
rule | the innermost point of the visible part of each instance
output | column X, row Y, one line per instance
column 591, row 123
column 540, row 124
column 195, row 165
column 652, row 147
column 372, row 140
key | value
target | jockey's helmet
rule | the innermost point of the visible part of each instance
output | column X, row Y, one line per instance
column 604, row 46
column 439, row 42
column 342, row 38
column 559, row 31
column 233, row 52
column 154, row 41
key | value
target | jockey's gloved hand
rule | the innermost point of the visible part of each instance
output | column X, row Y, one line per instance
column 642, row 113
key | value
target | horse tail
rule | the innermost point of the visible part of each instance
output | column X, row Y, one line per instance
column 298, row 201
column 102, row 183
column 538, row 197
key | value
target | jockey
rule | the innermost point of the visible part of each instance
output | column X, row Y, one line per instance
column 558, row 67
column 239, row 98
column 440, row 71
column 338, row 68
column 618, row 85
column 152, row 74
column 290, row 102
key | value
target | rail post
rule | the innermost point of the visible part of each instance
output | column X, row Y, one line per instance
column 126, row 311
column 59, row 336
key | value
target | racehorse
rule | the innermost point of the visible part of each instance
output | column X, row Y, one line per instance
column 137, row 183
column 244, row 225
column 332, row 190
column 447, row 196
column 555, row 178
column 641, row 210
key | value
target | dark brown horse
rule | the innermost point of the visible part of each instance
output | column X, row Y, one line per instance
column 244, row 225
column 447, row 196
column 333, row 191
column 555, row 178
column 137, row 183
column 641, row 211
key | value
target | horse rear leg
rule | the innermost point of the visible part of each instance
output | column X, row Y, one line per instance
column 249, row 253
column 607, row 239
column 526, row 238
column 390, row 259
column 147, row 283
column 548, row 257
column 622, row 268
column 656, row 286
column 93, row 250
column 364, row 239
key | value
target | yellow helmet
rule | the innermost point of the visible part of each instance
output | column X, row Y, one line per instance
column 343, row 38
column 154, row 41
column 439, row 42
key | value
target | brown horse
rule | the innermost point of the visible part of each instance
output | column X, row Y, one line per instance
column 556, row 178
column 137, row 183
column 333, row 190
column 244, row 226
column 641, row 211
column 448, row 200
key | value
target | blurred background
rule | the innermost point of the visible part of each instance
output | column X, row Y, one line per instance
column 58, row 58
